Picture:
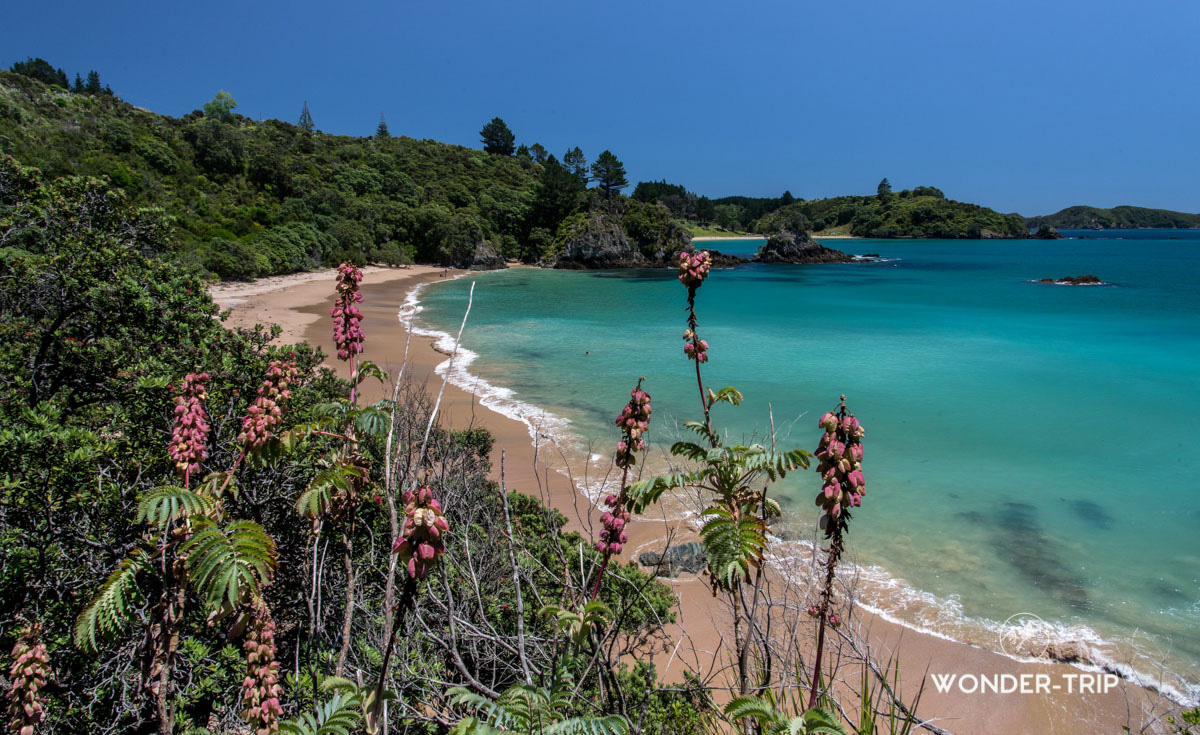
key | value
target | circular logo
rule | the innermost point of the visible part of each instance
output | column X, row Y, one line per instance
column 1025, row 635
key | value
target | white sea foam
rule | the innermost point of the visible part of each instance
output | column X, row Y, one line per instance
column 878, row 591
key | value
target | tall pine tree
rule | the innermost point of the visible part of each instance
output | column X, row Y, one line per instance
column 306, row 121
column 576, row 164
column 609, row 173
column 381, row 131
column 497, row 138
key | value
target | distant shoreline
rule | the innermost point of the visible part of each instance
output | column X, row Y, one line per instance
column 717, row 238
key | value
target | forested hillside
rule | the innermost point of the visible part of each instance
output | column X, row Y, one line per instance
column 1095, row 218
column 251, row 198
column 920, row 212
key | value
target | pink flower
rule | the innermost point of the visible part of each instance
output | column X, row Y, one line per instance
column 347, row 328
column 266, row 412
column 840, row 453
column 260, row 688
column 421, row 544
column 694, row 268
column 27, row 676
column 189, row 437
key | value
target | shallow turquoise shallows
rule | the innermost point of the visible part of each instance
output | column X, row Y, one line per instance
column 1030, row 448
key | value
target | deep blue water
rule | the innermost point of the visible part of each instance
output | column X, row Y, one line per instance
column 1029, row 448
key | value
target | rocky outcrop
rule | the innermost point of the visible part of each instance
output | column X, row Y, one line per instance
column 675, row 560
column 798, row 247
column 600, row 240
column 1047, row 232
column 485, row 258
column 1075, row 281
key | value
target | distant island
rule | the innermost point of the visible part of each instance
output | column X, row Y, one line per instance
column 1117, row 218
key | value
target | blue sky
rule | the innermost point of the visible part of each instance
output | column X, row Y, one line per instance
column 1022, row 106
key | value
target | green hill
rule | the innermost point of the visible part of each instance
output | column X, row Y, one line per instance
column 1124, row 217
column 251, row 198
column 920, row 212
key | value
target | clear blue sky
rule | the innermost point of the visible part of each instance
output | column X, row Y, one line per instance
column 1022, row 106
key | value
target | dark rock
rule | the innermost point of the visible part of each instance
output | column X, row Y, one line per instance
column 1068, row 652
column 687, row 557
column 600, row 241
column 798, row 247
column 486, row 258
column 1047, row 232
column 1075, row 281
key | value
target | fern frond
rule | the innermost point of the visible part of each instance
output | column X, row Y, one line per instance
column 340, row 715
column 169, row 503
column 230, row 564
column 112, row 607
column 314, row 501
column 601, row 725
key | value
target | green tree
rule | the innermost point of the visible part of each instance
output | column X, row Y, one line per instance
column 538, row 151
column 558, row 194
column 609, row 173
column 885, row 189
column 576, row 164
column 497, row 138
column 306, row 121
column 381, row 131
column 93, row 83
column 220, row 107
column 41, row 70
column 78, row 88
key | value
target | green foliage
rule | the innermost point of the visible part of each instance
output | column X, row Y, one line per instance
column 497, row 138
column 231, row 564
column 609, row 173
column 1123, row 217
column 41, row 70
column 922, row 212
column 771, row 721
column 113, row 606
column 170, row 504
column 220, row 108
column 531, row 710
column 341, row 714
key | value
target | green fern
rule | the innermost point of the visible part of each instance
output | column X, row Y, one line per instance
column 112, row 607
column 170, row 503
column 523, row 709
column 771, row 721
column 340, row 715
column 230, row 564
column 732, row 545
column 314, row 501
column 579, row 625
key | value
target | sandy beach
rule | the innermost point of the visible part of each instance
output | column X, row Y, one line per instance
column 299, row 304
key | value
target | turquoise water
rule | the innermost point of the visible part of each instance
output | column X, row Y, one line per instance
column 1029, row 448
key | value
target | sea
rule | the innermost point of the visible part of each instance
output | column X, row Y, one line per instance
column 1032, row 452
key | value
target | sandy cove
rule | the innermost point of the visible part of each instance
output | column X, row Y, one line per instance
column 300, row 304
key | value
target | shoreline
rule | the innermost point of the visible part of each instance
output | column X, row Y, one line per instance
column 300, row 304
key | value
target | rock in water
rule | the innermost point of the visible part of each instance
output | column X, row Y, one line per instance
column 676, row 560
column 798, row 247
column 1047, row 232
column 1075, row 281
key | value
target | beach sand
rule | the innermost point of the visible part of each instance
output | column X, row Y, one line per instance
column 300, row 304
